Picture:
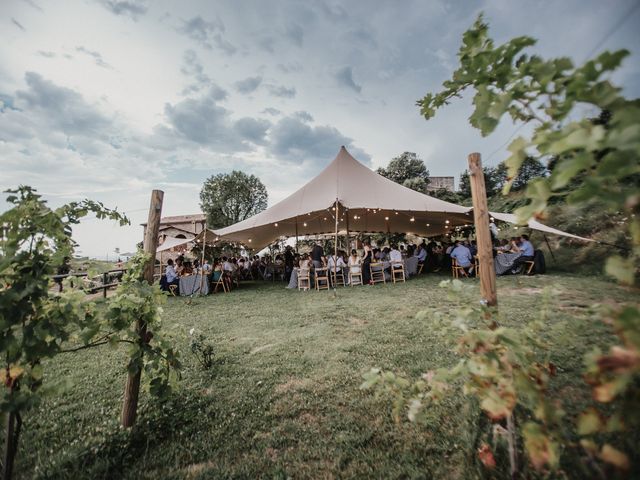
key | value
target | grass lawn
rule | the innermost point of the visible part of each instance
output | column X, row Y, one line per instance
column 283, row 398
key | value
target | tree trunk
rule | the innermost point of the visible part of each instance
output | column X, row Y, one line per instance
column 132, row 387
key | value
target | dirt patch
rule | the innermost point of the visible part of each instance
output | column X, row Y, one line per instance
column 261, row 348
column 308, row 419
column 293, row 385
column 197, row 468
column 357, row 321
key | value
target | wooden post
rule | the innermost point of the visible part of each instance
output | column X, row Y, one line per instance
column 335, row 252
column 204, row 245
column 483, row 235
column 132, row 387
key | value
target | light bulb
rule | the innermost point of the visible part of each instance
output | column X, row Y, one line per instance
column 413, row 219
column 276, row 224
column 304, row 224
column 446, row 221
column 386, row 218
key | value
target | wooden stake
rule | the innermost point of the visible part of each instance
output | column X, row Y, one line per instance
column 204, row 245
column 132, row 387
column 483, row 235
column 335, row 252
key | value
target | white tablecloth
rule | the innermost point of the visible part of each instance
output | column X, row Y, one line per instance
column 191, row 285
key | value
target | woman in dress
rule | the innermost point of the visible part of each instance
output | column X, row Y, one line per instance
column 366, row 261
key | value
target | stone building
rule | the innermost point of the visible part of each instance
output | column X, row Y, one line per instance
column 441, row 182
column 179, row 226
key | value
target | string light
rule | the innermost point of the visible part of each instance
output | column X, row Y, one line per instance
column 276, row 224
column 413, row 219
column 428, row 224
column 304, row 224
column 386, row 218
column 396, row 213
column 249, row 240
column 446, row 221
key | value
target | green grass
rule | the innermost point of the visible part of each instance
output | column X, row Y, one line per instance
column 283, row 398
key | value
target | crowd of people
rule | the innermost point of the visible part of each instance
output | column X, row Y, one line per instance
column 433, row 256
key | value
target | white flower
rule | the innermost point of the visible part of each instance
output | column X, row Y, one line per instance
column 191, row 331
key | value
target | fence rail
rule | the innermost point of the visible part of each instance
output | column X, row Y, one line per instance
column 105, row 279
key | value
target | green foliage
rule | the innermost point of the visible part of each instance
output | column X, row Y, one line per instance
column 228, row 198
column 446, row 195
column 201, row 349
column 596, row 159
column 33, row 323
column 409, row 170
column 137, row 302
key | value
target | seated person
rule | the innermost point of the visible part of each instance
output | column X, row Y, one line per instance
column 527, row 253
column 170, row 277
column 187, row 270
column 395, row 256
column 421, row 253
column 463, row 256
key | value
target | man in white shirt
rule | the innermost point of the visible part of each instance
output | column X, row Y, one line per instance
column 394, row 255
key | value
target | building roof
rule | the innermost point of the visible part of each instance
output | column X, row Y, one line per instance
column 196, row 217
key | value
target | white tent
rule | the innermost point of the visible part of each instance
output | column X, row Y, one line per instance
column 364, row 201
column 172, row 242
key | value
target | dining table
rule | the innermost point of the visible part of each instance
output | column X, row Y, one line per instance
column 193, row 285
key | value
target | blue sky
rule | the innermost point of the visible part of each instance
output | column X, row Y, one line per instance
column 109, row 99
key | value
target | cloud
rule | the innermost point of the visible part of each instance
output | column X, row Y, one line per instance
column 304, row 116
column 248, row 85
column 272, row 111
column 207, row 33
column 97, row 57
column 281, row 91
column 33, row 4
column 295, row 33
column 253, row 129
column 59, row 108
column 130, row 8
column 267, row 44
column 295, row 141
column 203, row 121
column 290, row 67
column 18, row 24
column 45, row 54
column 344, row 76
column 193, row 69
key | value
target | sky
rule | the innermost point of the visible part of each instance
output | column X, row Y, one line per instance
column 109, row 99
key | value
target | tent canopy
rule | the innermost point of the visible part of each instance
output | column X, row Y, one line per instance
column 366, row 202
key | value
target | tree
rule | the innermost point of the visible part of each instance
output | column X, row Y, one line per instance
column 446, row 195
column 530, row 169
column 493, row 180
column 409, row 170
column 228, row 198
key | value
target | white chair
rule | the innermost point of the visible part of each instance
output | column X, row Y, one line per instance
column 355, row 275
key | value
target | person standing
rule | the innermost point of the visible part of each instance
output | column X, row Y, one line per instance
column 317, row 253
column 288, row 262
column 366, row 262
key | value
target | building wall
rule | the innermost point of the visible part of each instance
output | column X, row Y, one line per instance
column 441, row 182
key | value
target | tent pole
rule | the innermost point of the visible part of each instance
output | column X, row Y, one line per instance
column 204, row 245
column 335, row 251
column 549, row 247
column 296, row 234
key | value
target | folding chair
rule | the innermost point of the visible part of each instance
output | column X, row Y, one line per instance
column 397, row 269
column 172, row 289
column 528, row 267
column 377, row 273
column 355, row 275
column 457, row 270
column 337, row 277
column 220, row 283
column 420, row 268
column 322, row 279
column 304, row 280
